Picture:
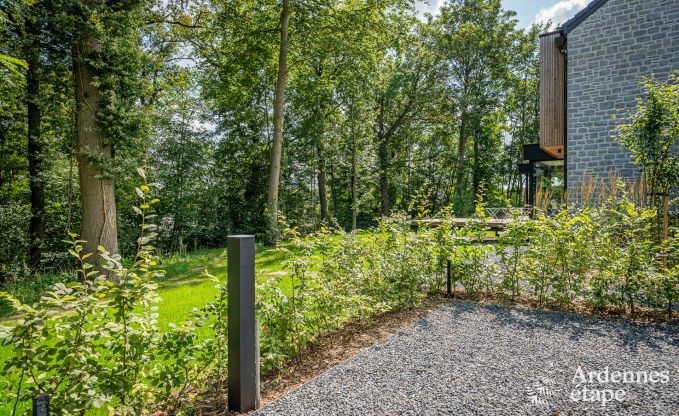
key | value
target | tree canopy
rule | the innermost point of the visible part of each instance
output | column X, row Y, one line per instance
column 327, row 112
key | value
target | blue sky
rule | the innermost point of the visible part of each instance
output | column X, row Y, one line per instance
column 529, row 11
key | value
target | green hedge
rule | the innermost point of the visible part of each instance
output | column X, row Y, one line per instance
column 104, row 350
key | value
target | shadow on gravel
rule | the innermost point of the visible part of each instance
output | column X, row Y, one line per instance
column 471, row 358
column 576, row 327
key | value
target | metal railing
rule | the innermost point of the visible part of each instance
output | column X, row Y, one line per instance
column 501, row 213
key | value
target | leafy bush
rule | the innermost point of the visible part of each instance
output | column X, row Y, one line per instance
column 335, row 276
column 14, row 242
column 95, row 343
column 603, row 256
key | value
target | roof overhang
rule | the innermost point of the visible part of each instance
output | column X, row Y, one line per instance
column 582, row 16
column 534, row 153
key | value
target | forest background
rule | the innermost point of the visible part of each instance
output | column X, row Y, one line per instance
column 329, row 112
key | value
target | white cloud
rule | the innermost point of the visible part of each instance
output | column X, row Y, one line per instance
column 202, row 125
column 561, row 11
column 428, row 6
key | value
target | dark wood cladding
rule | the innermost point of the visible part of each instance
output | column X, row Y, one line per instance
column 552, row 90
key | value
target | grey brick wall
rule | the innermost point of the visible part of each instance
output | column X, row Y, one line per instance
column 608, row 53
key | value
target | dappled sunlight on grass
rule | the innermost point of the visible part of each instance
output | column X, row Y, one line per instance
column 185, row 285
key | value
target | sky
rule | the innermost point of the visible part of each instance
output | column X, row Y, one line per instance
column 529, row 11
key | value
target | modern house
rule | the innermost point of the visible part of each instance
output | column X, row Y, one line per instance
column 590, row 71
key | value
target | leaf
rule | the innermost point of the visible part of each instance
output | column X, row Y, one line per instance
column 13, row 64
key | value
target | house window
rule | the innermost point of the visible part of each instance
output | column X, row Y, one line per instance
column 549, row 181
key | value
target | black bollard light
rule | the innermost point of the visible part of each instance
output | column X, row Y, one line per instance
column 241, row 309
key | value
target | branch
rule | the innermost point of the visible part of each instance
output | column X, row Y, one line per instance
column 406, row 109
column 195, row 24
column 176, row 23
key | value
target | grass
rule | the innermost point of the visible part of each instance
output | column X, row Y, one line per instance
column 184, row 287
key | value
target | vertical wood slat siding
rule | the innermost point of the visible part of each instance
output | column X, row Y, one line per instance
column 552, row 90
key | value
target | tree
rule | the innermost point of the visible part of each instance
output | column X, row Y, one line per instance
column 399, row 99
column 13, row 65
column 35, row 130
column 395, row 102
column 477, row 38
column 263, row 46
column 279, row 112
column 333, row 62
column 331, row 110
column 97, row 193
column 26, row 21
column 522, row 108
column 36, row 143
column 650, row 135
column 106, row 71
column 182, row 155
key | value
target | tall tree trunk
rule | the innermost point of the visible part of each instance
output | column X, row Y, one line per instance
column 320, row 155
column 384, row 176
column 279, row 115
column 323, row 194
column 354, row 199
column 476, row 174
column 322, row 184
column 461, row 146
column 36, row 147
column 97, row 197
column 332, row 188
column 383, row 160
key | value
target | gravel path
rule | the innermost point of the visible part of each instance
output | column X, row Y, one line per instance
column 471, row 359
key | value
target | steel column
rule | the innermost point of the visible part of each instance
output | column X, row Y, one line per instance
column 241, row 310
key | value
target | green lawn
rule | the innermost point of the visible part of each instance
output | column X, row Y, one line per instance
column 185, row 285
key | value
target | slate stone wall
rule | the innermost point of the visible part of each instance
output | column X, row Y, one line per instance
column 608, row 54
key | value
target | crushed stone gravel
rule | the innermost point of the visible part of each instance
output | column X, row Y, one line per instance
column 477, row 359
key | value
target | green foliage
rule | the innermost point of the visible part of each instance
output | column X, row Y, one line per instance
column 380, row 106
column 15, row 244
column 605, row 257
column 118, row 69
column 667, row 286
column 12, row 65
column 510, row 251
column 373, row 102
column 335, row 276
column 95, row 343
column 652, row 132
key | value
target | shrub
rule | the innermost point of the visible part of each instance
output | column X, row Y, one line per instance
column 14, row 242
column 94, row 343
